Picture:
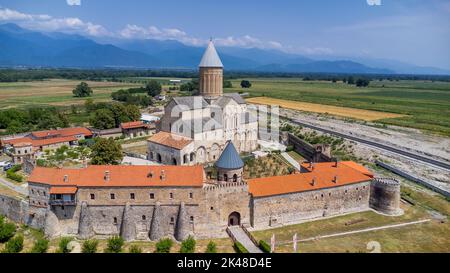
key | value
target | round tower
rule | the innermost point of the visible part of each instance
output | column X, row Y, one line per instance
column 211, row 73
column 230, row 166
column 385, row 195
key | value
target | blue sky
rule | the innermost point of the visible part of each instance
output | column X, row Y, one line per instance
column 413, row 31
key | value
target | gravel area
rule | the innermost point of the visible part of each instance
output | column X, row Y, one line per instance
column 405, row 138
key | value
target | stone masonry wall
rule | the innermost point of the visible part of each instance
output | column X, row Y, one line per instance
column 292, row 208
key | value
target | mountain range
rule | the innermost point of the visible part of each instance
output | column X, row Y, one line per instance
column 23, row 47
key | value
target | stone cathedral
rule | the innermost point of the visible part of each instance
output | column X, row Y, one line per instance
column 195, row 129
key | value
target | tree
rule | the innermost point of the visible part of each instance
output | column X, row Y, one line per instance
column 82, row 90
column 211, row 247
column 132, row 113
column 362, row 83
column 351, row 80
column 106, row 152
column 89, row 246
column 188, row 245
column 7, row 230
column 63, row 245
column 115, row 244
column 153, row 88
column 14, row 245
column 246, row 84
column 164, row 245
column 40, row 246
column 102, row 119
column 227, row 84
column 190, row 86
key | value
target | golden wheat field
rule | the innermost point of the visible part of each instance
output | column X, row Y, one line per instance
column 367, row 115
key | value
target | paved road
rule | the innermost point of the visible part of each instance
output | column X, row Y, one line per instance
column 242, row 237
column 14, row 187
column 415, row 156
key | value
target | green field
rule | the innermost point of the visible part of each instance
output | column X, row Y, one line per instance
column 426, row 103
column 53, row 92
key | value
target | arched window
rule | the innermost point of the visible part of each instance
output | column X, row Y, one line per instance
column 115, row 220
column 144, row 217
column 174, row 161
column 225, row 177
column 158, row 158
column 235, row 177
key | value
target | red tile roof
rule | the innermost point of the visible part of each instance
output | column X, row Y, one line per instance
column 133, row 125
column 15, row 141
column 54, row 140
column 73, row 131
column 323, row 174
column 170, row 140
column 120, row 176
column 63, row 190
column 25, row 141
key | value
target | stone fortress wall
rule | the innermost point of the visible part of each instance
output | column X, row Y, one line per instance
column 202, row 212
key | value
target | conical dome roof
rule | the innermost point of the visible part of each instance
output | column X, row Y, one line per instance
column 210, row 57
column 230, row 159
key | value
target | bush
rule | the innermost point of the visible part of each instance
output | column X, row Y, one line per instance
column 135, row 249
column 40, row 246
column 211, row 247
column 63, row 246
column 265, row 247
column 11, row 173
column 239, row 248
column 188, row 245
column 14, row 245
column 289, row 148
column 89, row 246
column 164, row 245
column 7, row 230
column 115, row 244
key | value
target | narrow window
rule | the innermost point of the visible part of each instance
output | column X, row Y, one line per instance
column 131, row 195
column 191, row 219
column 115, row 220
column 191, row 195
column 92, row 196
column 113, row 196
column 172, row 220
column 171, row 195
column 212, row 208
column 144, row 217
column 152, row 196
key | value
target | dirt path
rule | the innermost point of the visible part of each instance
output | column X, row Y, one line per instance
column 358, row 231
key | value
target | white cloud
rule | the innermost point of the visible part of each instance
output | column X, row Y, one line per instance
column 43, row 22
column 74, row 2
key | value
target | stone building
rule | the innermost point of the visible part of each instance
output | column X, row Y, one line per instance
column 151, row 202
column 27, row 146
column 208, row 121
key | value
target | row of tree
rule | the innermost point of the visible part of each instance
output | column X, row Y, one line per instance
column 14, row 75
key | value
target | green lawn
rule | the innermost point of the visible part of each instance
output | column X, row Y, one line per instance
column 426, row 103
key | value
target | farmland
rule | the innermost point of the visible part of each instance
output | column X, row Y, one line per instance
column 53, row 92
column 419, row 104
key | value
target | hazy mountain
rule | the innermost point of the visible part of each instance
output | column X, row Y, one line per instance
column 22, row 47
column 27, row 48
